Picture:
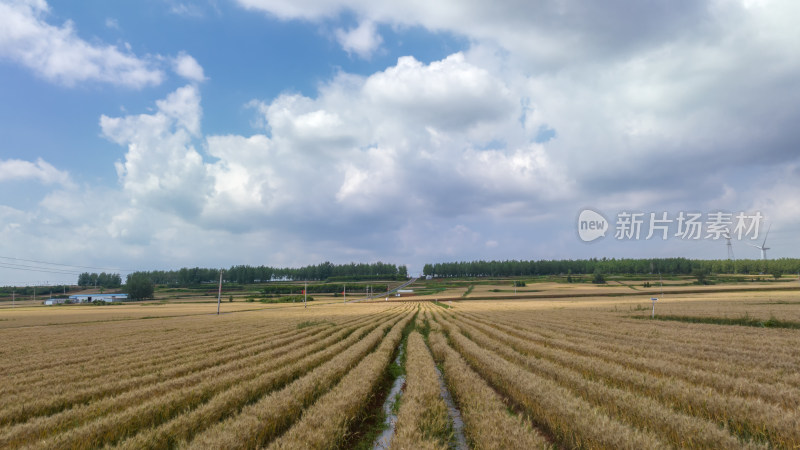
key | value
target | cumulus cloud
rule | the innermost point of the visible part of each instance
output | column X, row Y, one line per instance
column 288, row 9
column 485, row 153
column 446, row 94
column 162, row 169
column 188, row 67
column 638, row 89
column 362, row 40
column 548, row 33
column 409, row 139
column 56, row 53
column 41, row 171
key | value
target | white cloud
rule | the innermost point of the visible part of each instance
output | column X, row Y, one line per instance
column 638, row 88
column 362, row 147
column 162, row 169
column 187, row 67
column 446, row 94
column 289, row 9
column 546, row 33
column 363, row 40
column 41, row 170
column 59, row 55
column 489, row 151
column 652, row 106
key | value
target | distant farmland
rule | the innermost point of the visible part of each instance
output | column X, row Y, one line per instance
column 587, row 373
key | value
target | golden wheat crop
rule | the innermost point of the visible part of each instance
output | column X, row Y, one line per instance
column 264, row 420
column 422, row 420
column 326, row 423
column 488, row 423
column 592, row 372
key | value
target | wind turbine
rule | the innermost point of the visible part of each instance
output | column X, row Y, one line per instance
column 763, row 247
column 727, row 236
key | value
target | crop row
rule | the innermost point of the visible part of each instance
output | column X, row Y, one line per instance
column 726, row 348
column 36, row 401
column 422, row 419
column 672, row 409
column 263, row 421
column 640, row 411
column 158, row 405
column 660, row 364
column 128, row 359
column 327, row 423
column 151, row 383
column 488, row 423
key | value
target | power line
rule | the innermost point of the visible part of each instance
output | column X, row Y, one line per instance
column 68, row 265
column 35, row 269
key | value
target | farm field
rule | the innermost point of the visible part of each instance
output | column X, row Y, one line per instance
column 461, row 290
column 564, row 373
column 37, row 315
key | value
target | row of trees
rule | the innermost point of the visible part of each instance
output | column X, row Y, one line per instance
column 106, row 280
column 30, row 290
column 675, row 266
column 244, row 274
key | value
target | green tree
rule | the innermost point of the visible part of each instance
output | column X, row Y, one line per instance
column 700, row 274
column 599, row 278
column 139, row 286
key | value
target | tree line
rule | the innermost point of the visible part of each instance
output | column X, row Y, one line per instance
column 612, row 266
column 30, row 290
column 245, row 274
column 106, row 280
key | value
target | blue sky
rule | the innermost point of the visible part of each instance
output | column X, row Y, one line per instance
column 162, row 134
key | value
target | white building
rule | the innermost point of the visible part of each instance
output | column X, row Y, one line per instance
column 55, row 301
column 88, row 298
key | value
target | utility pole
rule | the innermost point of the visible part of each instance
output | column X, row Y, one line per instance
column 219, row 295
column 13, row 296
column 305, row 293
column 344, row 291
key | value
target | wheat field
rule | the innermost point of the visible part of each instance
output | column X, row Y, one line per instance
column 521, row 374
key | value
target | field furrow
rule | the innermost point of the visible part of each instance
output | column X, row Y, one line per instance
column 488, row 423
column 658, row 364
column 32, row 406
column 123, row 415
column 570, row 420
column 678, row 428
column 589, row 372
column 230, row 402
column 327, row 422
column 422, row 420
column 264, row 420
